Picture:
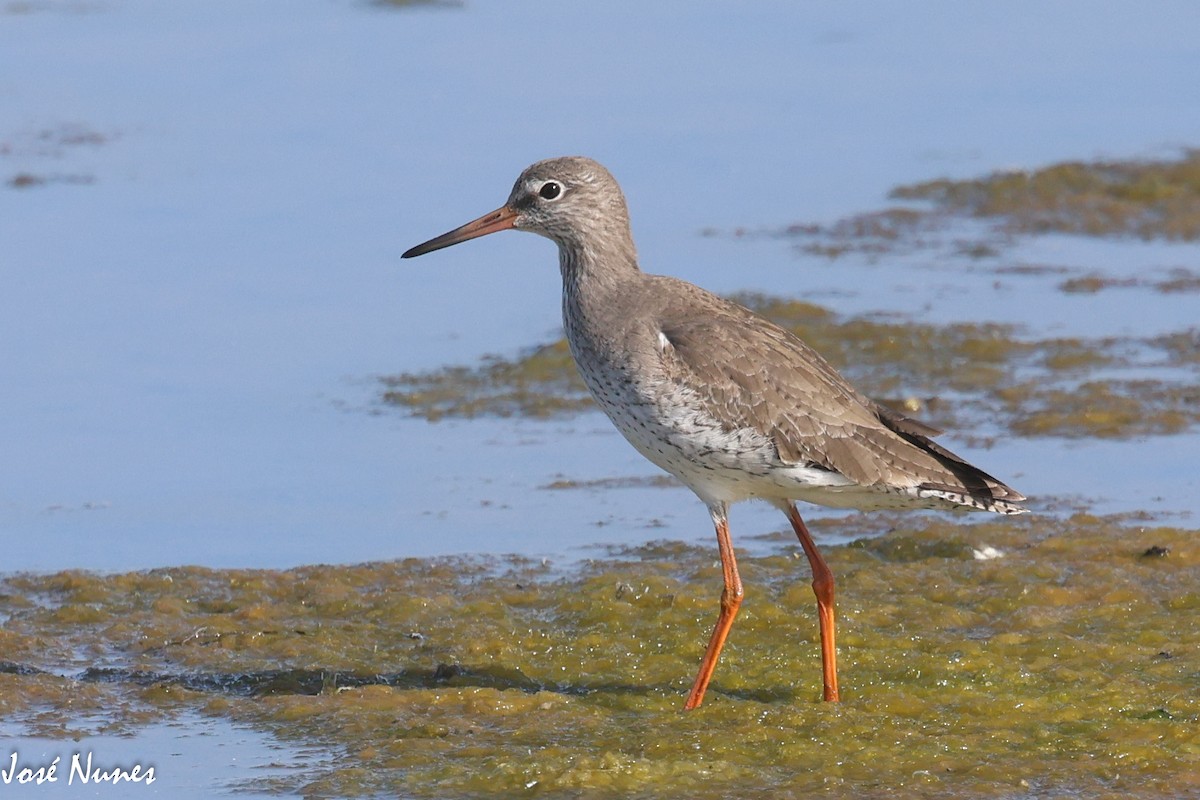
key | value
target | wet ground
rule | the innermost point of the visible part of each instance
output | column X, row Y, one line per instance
column 1038, row 657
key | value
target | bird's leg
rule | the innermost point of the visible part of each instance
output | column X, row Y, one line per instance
column 823, row 588
column 731, row 599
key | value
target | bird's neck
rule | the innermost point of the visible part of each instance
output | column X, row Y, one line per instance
column 598, row 262
column 595, row 273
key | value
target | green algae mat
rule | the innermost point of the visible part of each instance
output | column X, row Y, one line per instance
column 1000, row 659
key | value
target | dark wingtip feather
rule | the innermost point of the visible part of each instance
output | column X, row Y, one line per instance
column 978, row 490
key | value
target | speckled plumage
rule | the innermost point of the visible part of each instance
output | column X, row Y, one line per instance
column 730, row 403
column 733, row 405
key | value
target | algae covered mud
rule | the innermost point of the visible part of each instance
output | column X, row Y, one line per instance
column 1052, row 655
column 1037, row 658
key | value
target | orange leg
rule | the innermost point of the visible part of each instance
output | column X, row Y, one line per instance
column 823, row 588
column 731, row 599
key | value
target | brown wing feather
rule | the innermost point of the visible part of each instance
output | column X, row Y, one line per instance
column 757, row 375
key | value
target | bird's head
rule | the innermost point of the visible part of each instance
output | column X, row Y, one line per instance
column 573, row 201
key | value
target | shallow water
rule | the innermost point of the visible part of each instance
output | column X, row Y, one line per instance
column 192, row 335
column 192, row 756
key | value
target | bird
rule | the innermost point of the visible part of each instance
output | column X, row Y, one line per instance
column 731, row 404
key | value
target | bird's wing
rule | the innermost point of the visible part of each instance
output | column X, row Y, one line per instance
column 755, row 375
column 750, row 373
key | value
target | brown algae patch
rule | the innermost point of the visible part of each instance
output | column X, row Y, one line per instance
column 1107, row 409
column 50, row 143
column 1178, row 280
column 872, row 233
column 660, row 481
column 1149, row 199
column 540, row 383
column 1183, row 348
column 1145, row 198
column 1069, row 665
column 26, row 180
column 952, row 376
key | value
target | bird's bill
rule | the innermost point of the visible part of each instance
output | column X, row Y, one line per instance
column 501, row 219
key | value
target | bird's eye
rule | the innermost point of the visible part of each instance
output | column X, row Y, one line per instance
column 550, row 190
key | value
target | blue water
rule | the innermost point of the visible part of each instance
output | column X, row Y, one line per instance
column 190, row 339
column 192, row 757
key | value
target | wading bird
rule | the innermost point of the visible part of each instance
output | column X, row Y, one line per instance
column 731, row 404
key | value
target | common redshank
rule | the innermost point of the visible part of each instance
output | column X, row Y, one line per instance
column 731, row 404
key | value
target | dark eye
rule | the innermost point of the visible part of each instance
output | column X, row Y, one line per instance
column 550, row 191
